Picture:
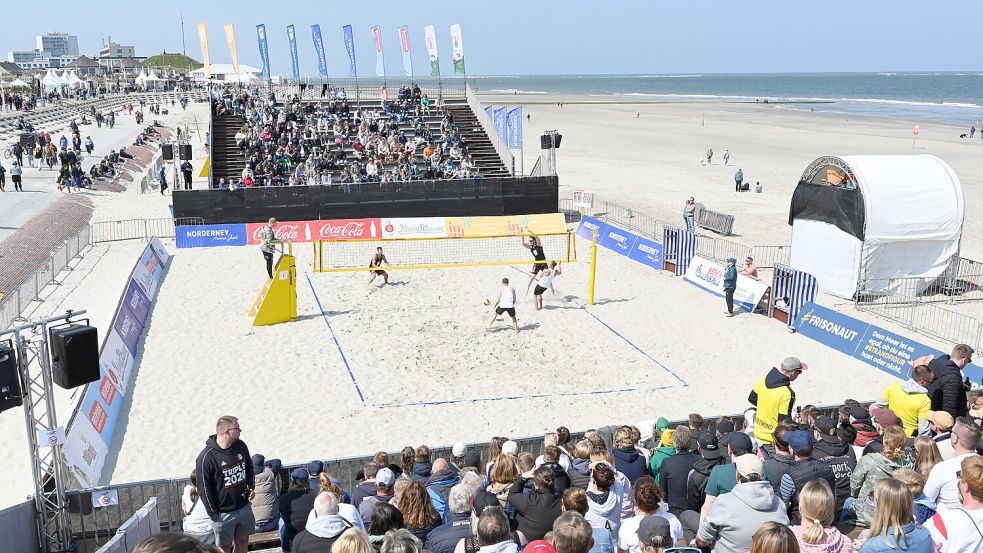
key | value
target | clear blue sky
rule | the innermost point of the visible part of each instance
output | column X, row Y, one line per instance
column 535, row 37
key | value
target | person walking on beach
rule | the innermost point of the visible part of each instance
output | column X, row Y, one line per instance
column 377, row 260
column 689, row 214
column 505, row 304
column 544, row 281
column 972, row 131
column 268, row 238
column 726, row 157
column 162, row 177
column 224, row 473
column 739, row 179
column 3, row 177
column 15, row 176
column 730, row 284
column 709, row 156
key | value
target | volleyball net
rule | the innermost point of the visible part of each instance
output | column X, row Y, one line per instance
column 441, row 252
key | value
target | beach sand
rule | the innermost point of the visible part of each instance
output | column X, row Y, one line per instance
column 423, row 340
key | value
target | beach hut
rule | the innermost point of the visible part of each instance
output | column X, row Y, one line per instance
column 860, row 223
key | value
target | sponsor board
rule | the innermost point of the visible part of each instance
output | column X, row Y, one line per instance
column 505, row 225
column 309, row 231
column 589, row 225
column 616, row 240
column 129, row 328
column 583, row 198
column 635, row 247
column 160, row 250
column 85, row 452
column 709, row 275
column 414, row 227
column 647, row 252
column 210, row 236
column 116, row 361
column 137, row 302
column 148, row 273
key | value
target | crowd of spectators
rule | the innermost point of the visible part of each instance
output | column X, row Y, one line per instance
column 335, row 142
column 873, row 478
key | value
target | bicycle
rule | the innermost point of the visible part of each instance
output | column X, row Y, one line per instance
column 8, row 152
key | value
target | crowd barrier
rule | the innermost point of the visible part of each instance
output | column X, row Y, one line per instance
column 143, row 524
column 363, row 88
column 716, row 221
column 15, row 524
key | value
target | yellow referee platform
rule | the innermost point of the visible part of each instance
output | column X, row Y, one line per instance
column 277, row 301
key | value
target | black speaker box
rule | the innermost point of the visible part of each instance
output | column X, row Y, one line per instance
column 9, row 379
column 185, row 151
column 545, row 142
column 167, row 151
column 74, row 355
column 556, row 140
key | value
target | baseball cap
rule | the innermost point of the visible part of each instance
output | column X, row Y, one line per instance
column 793, row 364
column 385, row 478
column 662, row 424
column 942, row 419
column 510, row 448
column 484, row 499
column 709, row 446
column 472, row 458
column 315, row 467
column 799, row 440
column 827, row 429
column 748, row 464
column 299, row 474
column 738, row 442
column 653, row 526
column 731, row 260
column 459, row 449
column 859, row 414
column 539, row 546
column 667, row 437
column 885, row 417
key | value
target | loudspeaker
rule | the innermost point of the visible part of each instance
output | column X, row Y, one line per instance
column 9, row 378
column 545, row 142
column 167, row 151
column 556, row 140
column 185, row 151
column 74, row 355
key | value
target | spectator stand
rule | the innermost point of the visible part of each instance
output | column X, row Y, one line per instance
column 790, row 290
column 679, row 249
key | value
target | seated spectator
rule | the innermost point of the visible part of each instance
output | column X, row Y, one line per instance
column 924, row 508
column 674, row 471
column 941, row 424
column 893, row 527
column 571, row 534
column 553, row 438
column 839, row 456
column 579, row 471
column 419, row 515
column 927, row 455
column 551, row 459
column 347, row 511
column 871, row 468
column 295, row 505
column 575, row 499
column 421, row 464
column 196, row 523
column 442, row 479
column 654, row 535
column 535, row 511
column 953, row 530
column 773, row 537
column 401, row 541
column 817, row 506
column 729, row 526
column 384, row 482
column 627, row 460
column 750, row 270
column 384, row 518
column 779, row 456
column 169, row 542
column 353, row 540
column 647, row 498
column 661, row 453
column 504, row 473
column 444, row 538
column 710, row 458
column 604, row 498
column 803, row 469
column 493, row 533
column 367, row 487
column 266, row 508
column 942, row 485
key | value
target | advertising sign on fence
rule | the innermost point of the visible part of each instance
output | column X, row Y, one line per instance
column 646, row 251
column 709, row 275
column 209, row 236
column 583, row 198
column 414, row 227
column 505, row 225
column 621, row 241
column 869, row 343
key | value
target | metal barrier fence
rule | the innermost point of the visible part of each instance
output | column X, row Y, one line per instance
column 929, row 319
column 714, row 220
column 133, row 229
column 364, row 88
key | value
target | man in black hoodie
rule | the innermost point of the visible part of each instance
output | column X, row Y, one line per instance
column 225, row 482
column 840, row 457
column 946, row 391
column 367, row 488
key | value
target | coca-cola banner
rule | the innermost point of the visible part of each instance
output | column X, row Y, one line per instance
column 309, row 231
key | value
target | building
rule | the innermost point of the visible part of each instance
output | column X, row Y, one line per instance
column 85, row 66
column 62, row 45
column 9, row 70
column 117, row 58
column 225, row 72
column 113, row 50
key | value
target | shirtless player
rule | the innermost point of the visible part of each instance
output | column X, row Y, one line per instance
column 377, row 260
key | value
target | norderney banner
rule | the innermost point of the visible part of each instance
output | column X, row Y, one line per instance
column 322, row 61
column 294, row 60
column 264, row 51
column 91, row 433
column 628, row 244
column 404, row 50
column 499, row 120
column 380, row 62
column 514, row 125
column 350, row 48
column 431, row 38
column 709, row 275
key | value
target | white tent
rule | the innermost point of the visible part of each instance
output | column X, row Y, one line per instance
column 50, row 81
column 225, row 72
column 72, row 79
column 152, row 81
column 860, row 221
column 141, row 77
column 18, row 83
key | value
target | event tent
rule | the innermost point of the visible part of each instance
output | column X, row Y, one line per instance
column 18, row 83
column 860, row 222
column 51, row 81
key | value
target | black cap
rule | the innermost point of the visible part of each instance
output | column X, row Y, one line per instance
column 860, row 414
column 709, row 446
column 826, row 427
column 725, row 426
column 652, row 526
column 484, row 499
column 738, row 442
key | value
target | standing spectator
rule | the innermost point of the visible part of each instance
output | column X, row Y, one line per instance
column 726, row 157
column 367, row 487
column 15, row 176
column 689, row 214
column 550, row 459
column 575, row 499
column 909, row 400
column 535, row 512
column 19, row 153
column 674, row 471
column 421, row 464
column 738, row 179
column 873, row 467
column 196, row 522
column 604, row 499
column 442, row 479
column 774, row 398
column 648, row 495
column 419, row 516
column 627, row 460
column 660, row 454
column 579, row 472
column 266, row 504
column 730, row 284
column 325, row 529
column 723, row 477
column 3, row 177
column 162, row 178
column 444, row 538
column 893, row 527
column 960, row 531
column 295, row 506
column 225, row 482
column 186, row 172
column 384, row 482
column 710, row 457
column 571, row 534
column 942, row 484
column 947, row 391
column 816, row 533
column 803, row 470
column 729, row 526
column 268, row 239
column 839, row 456
column 709, row 156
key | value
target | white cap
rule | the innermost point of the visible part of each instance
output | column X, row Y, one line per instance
column 459, row 449
column 510, row 448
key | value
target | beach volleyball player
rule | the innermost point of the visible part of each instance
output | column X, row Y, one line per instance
column 534, row 245
column 377, row 260
column 544, row 282
column 505, row 304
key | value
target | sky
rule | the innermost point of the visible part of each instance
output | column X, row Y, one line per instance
column 509, row 37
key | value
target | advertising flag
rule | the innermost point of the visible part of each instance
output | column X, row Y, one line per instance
column 431, row 37
column 230, row 37
column 499, row 121
column 488, row 110
column 264, row 51
column 404, row 50
column 514, row 125
column 203, row 38
column 350, row 47
column 457, row 55
column 322, row 62
column 380, row 63
column 292, row 37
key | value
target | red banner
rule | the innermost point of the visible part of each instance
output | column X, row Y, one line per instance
column 309, row 231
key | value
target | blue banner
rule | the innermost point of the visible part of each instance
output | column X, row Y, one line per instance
column 514, row 125
column 210, row 236
column 647, row 252
column 322, row 62
column 488, row 110
column 350, row 47
column 869, row 343
column 617, row 240
column 294, row 60
column 587, row 227
column 499, row 120
column 621, row 241
column 264, row 51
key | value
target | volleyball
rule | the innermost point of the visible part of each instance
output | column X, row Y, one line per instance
column 487, row 301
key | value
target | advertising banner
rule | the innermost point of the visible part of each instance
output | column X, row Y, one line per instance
column 709, row 275
column 414, row 227
column 309, row 231
column 589, row 225
column 499, row 120
column 137, row 301
column 230, row 38
column 616, row 240
column 210, row 236
column 431, row 38
column 629, row 244
column 294, row 59
column 488, row 110
column 404, row 50
column 159, row 250
column 264, row 50
column 583, row 198
column 350, row 48
column 205, row 58
column 514, row 126
column 647, row 252
column 380, row 62
column 129, row 329
column 507, row 225
column 148, row 273
column 85, row 452
column 322, row 61
column 116, row 360
column 457, row 54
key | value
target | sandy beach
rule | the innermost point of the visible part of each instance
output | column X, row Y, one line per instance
column 427, row 369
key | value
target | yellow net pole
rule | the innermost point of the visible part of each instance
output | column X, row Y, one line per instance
column 593, row 268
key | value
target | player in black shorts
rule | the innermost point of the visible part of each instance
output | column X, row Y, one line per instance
column 377, row 260
column 534, row 245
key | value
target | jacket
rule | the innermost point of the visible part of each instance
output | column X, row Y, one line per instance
column 919, row 541
column 579, row 473
column 871, row 468
column 535, row 512
column 606, row 513
column 801, row 473
column 363, row 490
column 420, row 472
column 909, row 401
column 658, row 456
column 368, row 503
column 320, row 534
column 946, row 391
column 265, row 504
column 294, row 510
column 734, row 516
column 865, row 433
column 776, row 464
column 696, row 484
column 673, row 475
column 630, row 462
column 223, row 477
column 774, row 399
column 841, row 459
column 730, row 278
column 444, row 538
column 439, row 488
column 833, row 541
column 561, row 480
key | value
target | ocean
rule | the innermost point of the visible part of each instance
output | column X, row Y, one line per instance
column 954, row 98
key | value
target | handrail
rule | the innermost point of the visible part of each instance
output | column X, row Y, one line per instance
column 488, row 126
